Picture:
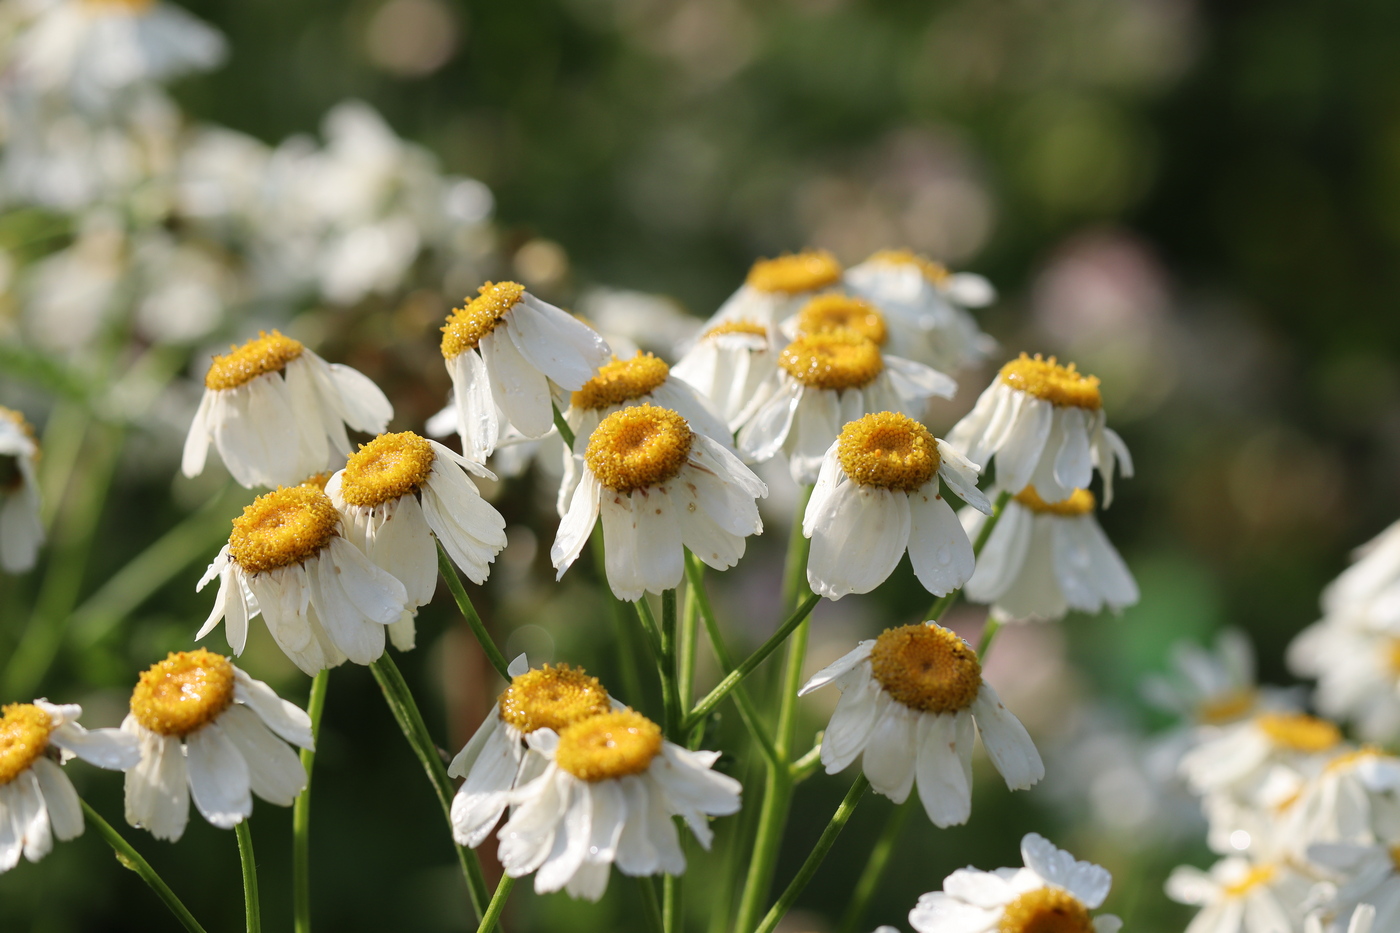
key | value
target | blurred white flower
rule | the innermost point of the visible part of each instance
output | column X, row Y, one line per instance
column 1357, row 668
column 21, row 531
column 1238, row 896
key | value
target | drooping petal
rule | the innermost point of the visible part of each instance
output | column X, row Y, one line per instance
column 219, row 779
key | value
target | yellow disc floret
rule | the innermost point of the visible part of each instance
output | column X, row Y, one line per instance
column 1257, row 875
column 889, row 450
column 1080, row 502
column 466, row 326
column 612, row 745
column 839, row 360
column 552, row 698
column 125, row 6
column 1299, row 732
column 1046, row 910
column 286, row 526
column 1059, row 385
column 1226, row 707
column 387, row 468
column 927, row 667
column 935, row 272
column 639, row 446
column 622, row 381
column 185, row 692
column 795, row 273
column 269, row 353
column 835, row 311
column 24, row 735
column 746, row 328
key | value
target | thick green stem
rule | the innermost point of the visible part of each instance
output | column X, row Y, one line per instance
column 807, row 765
column 875, row 867
column 132, row 859
column 464, row 604
column 497, row 905
column 943, row 603
column 252, row 908
column 301, row 813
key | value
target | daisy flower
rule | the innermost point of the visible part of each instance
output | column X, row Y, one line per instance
column 1238, row 759
column 909, row 702
column 502, row 351
column 1368, row 875
column 395, row 495
column 1357, row 669
column 876, row 496
column 1369, row 590
column 1044, row 425
column 775, row 287
column 323, row 600
column 277, row 412
column 37, row 801
column 1350, row 798
column 826, row 380
column 209, row 731
column 1053, row 892
column 607, row 793
column 659, row 487
column 730, row 365
column 1239, row 896
column 1045, row 558
column 21, row 531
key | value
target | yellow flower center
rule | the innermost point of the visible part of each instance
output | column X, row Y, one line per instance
column 24, row 734
column 286, row 526
column 1259, row 874
column 19, row 421
column 318, row 480
column 387, row 468
column 1299, row 732
column 639, row 446
column 837, row 360
column 622, row 381
column 269, row 353
column 927, row 667
column 466, row 326
column 552, row 698
column 1395, row 857
column 889, row 450
column 935, row 272
column 185, row 692
column 1392, row 656
column 795, row 273
column 130, row 6
column 611, row 745
column 1226, row 707
column 748, row 328
column 1056, row 384
column 1046, row 910
column 1080, row 502
column 835, row 311
column 1351, row 759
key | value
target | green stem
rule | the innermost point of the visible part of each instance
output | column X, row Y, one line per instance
column 807, row 765
column 666, row 673
column 301, row 813
column 671, row 903
column 252, row 910
column 464, row 603
column 622, row 621
column 670, row 666
column 799, row 545
column 875, row 867
column 132, row 859
column 686, row 643
column 944, row 602
column 652, row 908
column 989, row 634
column 566, row 432
column 814, row 860
column 497, row 905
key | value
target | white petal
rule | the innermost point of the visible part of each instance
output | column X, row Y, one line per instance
column 941, row 768
column 362, row 403
column 1085, row 880
column 1006, row 741
column 556, row 343
column 852, row 721
column 483, row 797
column 858, row 541
column 838, row 667
column 282, row 717
column 61, row 800
column 660, row 557
column 197, row 441
column 577, row 524
column 891, row 752
column 1019, row 456
column 477, row 422
column 961, row 476
column 1073, row 468
column 157, row 791
column 767, row 431
column 620, row 546
column 521, row 390
column 274, row 771
column 938, row 546
column 219, row 780
column 107, row 748
column 915, row 380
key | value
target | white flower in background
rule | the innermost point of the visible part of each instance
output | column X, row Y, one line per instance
column 1365, row 876
column 502, row 351
column 37, row 801
column 1351, row 797
column 184, row 288
column 1239, row 759
column 21, row 531
column 1054, row 892
column 1044, row 425
column 1045, row 558
column 827, row 380
column 909, row 702
column 70, row 295
column 323, row 600
column 399, row 492
column 209, row 731
column 877, row 495
column 1369, row 590
column 633, row 321
column 775, row 288
column 659, row 488
column 731, row 365
column 1239, row 896
column 606, row 796
column 1358, row 674
column 221, row 178
column 277, row 412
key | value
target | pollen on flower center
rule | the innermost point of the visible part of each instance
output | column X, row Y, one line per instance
column 612, row 745
column 185, row 692
column 268, row 353
column 1299, row 732
column 1056, row 384
column 639, row 446
column 552, row 698
column 1046, row 910
column 837, row 360
column 927, row 667
column 1259, row 874
column 466, row 326
column 795, row 273
column 835, row 311
column 24, row 734
column 1080, row 502
column 621, row 381
column 1226, row 707
column 747, row 328
column 387, row 468
column 889, row 450
column 935, row 272
column 286, row 526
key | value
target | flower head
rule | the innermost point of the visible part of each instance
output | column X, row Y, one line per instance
column 730, row 364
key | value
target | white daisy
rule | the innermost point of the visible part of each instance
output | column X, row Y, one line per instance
column 1369, row 590
column 37, row 801
column 323, row 600
column 877, row 495
column 824, row 381
column 277, row 412
column 1240, row 758
column 21, row 531
column 909, row 702
column 208, row 730
column 659, row 487
column 730, row 365
column 775, row 288
column 398, row 492
column 1358, row 673
column 608, row 791
column 502, row 351
column 1365, row 875
column 1239, row 896
column 1045, row 558
column 1044, row 425
column 1352, row 797
column 1053, row 892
